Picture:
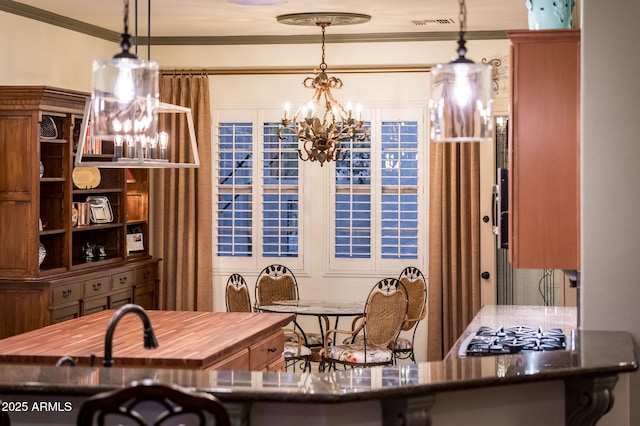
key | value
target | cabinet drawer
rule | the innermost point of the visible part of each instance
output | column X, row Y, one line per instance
column 64, row 314
column 95, row 305
column 145, row 296
column 236, row 362
column 121, row 280
column 277, row 365
column 266, row 351
column 66, row 293
column 146, row 274
column 116, row 300
column 96, row 286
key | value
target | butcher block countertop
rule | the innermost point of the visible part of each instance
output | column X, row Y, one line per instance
column 186, row 339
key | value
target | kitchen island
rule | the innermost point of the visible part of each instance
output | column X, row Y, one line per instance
column 568, row 387
column 195, row 340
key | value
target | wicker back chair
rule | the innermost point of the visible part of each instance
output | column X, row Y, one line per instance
column 151, row 403
column 385, row 312
column 237, row 294
column 275, row 282
column 238, row 300
column 415, row 285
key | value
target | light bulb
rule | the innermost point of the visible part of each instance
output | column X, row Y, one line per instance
column 124, row 89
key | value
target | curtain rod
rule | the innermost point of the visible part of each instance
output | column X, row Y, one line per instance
column 264, row 71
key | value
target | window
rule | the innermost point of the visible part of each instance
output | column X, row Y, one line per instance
column 280, row 194
column 357, row 216
column 397, row 208
column 235, row 181
column 399, row 198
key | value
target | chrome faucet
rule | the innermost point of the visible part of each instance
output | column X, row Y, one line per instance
column 150, row 341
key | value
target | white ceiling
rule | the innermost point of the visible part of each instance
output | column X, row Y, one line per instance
column 224, row 18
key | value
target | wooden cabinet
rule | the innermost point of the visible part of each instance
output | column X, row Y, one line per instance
column 29, row 305
column 39, row 133
column 544, row 149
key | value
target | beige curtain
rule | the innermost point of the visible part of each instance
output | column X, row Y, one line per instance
column 454, row 243
column 181, row 200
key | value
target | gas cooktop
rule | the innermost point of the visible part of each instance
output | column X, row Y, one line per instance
column 510, row 340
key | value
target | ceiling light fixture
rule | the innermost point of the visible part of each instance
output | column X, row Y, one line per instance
column 322, row 124
column 125, row 96
column 120, row 120
column 460, row 105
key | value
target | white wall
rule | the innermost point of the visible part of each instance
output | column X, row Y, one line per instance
column 33, row 53
column 610, row 292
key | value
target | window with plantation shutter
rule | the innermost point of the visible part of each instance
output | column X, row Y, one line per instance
column 280, row 199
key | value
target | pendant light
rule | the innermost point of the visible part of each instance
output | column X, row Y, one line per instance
column 125, row 97
column 460, row 104
column 123, row 111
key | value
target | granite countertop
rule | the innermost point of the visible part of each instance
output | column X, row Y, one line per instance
column 591, row 353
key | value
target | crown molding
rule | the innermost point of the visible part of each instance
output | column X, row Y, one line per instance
column 41, row 15
column 36, row 14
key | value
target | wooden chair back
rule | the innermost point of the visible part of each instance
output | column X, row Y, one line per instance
column 275, row 282
column 4, row 417
column 385, row 312
column 151, row 403
column 415, row 285
column 237, row 294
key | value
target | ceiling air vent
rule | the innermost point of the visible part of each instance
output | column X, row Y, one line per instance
column 439, row 21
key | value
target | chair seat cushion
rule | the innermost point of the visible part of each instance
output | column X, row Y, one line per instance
column 313, row 339
column 402, row 344
column 356, row 353
column 291, row 350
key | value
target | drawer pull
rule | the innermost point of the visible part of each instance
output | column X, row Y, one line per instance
column 123, row 280
column 66, row 293
column 147, row 274
column 97, row 287
column 273, row 349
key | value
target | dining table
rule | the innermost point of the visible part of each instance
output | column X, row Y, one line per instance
column 323, row 310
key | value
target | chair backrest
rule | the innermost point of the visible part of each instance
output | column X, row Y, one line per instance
column 275, row 282
column 385, row 311
column 416, row 286
column 237, row 294
column 151, row 403
column 4, row 417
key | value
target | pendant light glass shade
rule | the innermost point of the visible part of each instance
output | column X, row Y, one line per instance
column 125, row 99
column 460, row 105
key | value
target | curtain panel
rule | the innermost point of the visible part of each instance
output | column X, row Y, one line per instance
column 181, row 200
column 454, row 243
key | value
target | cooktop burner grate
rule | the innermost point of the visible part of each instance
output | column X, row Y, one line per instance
column 509, row 340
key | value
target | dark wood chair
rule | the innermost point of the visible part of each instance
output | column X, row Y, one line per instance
column 152, row 403
column 4, row 418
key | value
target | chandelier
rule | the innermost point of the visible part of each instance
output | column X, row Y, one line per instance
column 322, row 124
column 460, row 105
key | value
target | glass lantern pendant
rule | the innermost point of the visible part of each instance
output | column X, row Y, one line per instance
column 125, row 99
column 461, row 104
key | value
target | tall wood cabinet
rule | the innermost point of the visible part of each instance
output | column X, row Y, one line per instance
column 51, row 268
column 544, row 151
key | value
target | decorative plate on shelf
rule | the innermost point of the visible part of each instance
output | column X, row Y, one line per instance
column 48, row 129
column 86, row 177
column 42, row 253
